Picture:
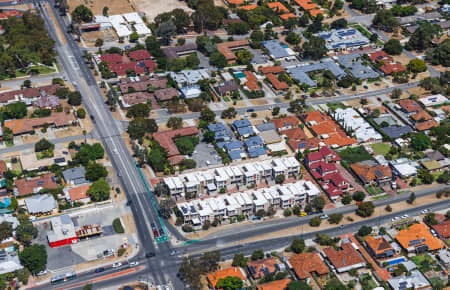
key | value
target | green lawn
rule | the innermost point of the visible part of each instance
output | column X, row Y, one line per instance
column 381, row 148
column 373, row 190
column 354, row 154
column 419, row 259
column 382, row 196
column 43, row 69
column 226, row 99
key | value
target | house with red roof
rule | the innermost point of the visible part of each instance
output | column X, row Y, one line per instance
column 379, row 56
column 111, row 58
column 138, row 55
column 345, row 258
column 443, row 230
column 390, row 68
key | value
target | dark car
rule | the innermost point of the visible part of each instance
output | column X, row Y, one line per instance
column 117, row 189
column 129, row 202
column 149, row 255
column 153, row 226
column 250, row 110
column 161, row 232
column 99, row 270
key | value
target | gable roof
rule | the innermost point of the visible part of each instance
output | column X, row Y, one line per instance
column 422, row 126
column 165, row 138
column 277, row 7
column 79, row 192
column 346, row 256
column 166, row 94
column 40, row 203
column 443, row 229
column 369, row 173
column 306, row 263
column 275, row 285
column 286, row 121
column 276, row 83
column 233, row 271
column 295, row 134
column 140, row 54
column 260, row 268
column 271, row 69
column 26, row 186
column 378, row 245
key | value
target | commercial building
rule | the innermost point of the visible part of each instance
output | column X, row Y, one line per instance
column 180, row 50
column 166, row 140
column 62, row 233
column 228, row 48
column 300, row 72
column 343, row 39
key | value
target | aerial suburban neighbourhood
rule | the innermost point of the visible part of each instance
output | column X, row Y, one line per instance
column 225, row 144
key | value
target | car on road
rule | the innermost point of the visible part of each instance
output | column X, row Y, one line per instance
column 174, row 253
column 161, row 232
column 324, row 216
column 155, row 233
column 134, row 263
column 424, row 211
column 341, row 226
column 153, row 226
column 118, row 189
column 149, row 255
column 99, row 270
column 302, row 214
column 366, row 87
column 250, row 110
column 117, row 265
column 405, row 216
column 129, row 202
column 41, row 273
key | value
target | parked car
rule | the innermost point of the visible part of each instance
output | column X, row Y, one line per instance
column 250, row 110
column 161, row 232
column 41, row 273
column 302, row 214
column 324, row 216
column 117, row 265
column 134, row 263
column 99, row 270
column 118, row 189
column 149, row 255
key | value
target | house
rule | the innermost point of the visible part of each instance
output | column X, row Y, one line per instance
column 286, row 123
column 390, row 68
column 443, row 230
column 275, row 285
column 434, row 100
column 311, row 7
column 271, row 69
column 416, row 280
column 252, row 82
column 379, row 247
column 41, row 204
column 235, row 149
column 180, row 50
column 403, row 167
column 228, row 48
column 254, row 142
column 131, row 99
column 395, row 132
column 278, row 86
column 27, row 95
column 243, row 127
column 344, row 259
column 221, row 132
column 111, row 58
column 62, row 233
column 30, row 162
column 260, row 268
column 270, row 137
column 77, row 194
column 27, row 186
column 423, row 126
column 139, row 55
column 343, row 39
column 227, row 88
column 10, row 263
column 417, row 238
column 324, row 154
column 352, row 121
column 265, row 127
column 301, row 72
column 190, row 92
column 359, row 69
column 190, row 77
column 166, row 94
column 75, row 175
column 307, row 264
column 166, row 140
column 141, row 84
column 223, row 273
column 379, row 56
column 24, row 126
column 248, row 7
column 370, row 173
column 48, row 102
column 10, row 219
column 300, row 145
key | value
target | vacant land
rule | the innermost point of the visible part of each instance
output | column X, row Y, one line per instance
column 115, row 6
column 155, row 7
column 354, row 155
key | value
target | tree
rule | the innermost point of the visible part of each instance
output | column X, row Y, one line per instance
column 275, row 111
column 359, row 196
column 417, row 65
column 298, row 245
column 334, row 284
column 400, row 77
column 34, row 258
column 400, row 11
column 346, row 199
column 315, row 221
column 315, row 48
column 207, row 115
column 423, row 36
column 43, row 145
column 229, row 283
column 26, row 84
column 319, row 202
column 166, row 30
column 95, row 171
column 192, row 61
column 335, row 218
column 175, row 123
column 153, row 46
column 5, row 230
column 99, row 190
column 298, row 285
column 430, row 218
column 385, row 20
column 365, row 209
column 440, row 54
column 293, row 38
column 99, row 42
column 165, row 207
column 229, row 113
column 8, row 135
column 287, row 212
column 324, row 239
column 138, row 127
column 186, row 145
column 74, row 98
column 239, row 260
column 339, row 23
column 105, row 11
column 81, row 113
column 138, row 110
column 26, row 232
column 218, row 59
column 82, row 14
column 420, row 142
column 412, row 198
column 279, row 179
column 396, row 93
column 364, row 231
column 388, row 208
column 244, row 57
column 238, row 28
column 157, row 158
column 257, row 255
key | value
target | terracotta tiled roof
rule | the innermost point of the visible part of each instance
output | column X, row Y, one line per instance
column 233, row 271
column 236, row 2
column 79, row 192
column 248, row 7
column 443, row 229
column 310, row 143
column 315, row 12
column 111, row 58
column 295, row 134
column 380, row 56
column 277, row 7
column 27, row 93
column 328, row 127
column 371, row 173
column 271, row 69
column 292, row 121
column 343, row 258
column 275, row 285
column 276, row 83
column 121, row 68
column 166, row 94
column 316, row 116
column 136, row 98
column 339, row 140
column 390, row 68
column 10, row 13
column 143, row 85
column 306, row 263
column 226, row 48
column 21, row 126
column 165, row 138
column 422, row 114
column 139, row 55
column 3, row 168
column 30, row 186
column 252, row 81
column 422, row 126
column 420, row 234
column 378, row 245
column 409, row 105
column 260, row 268
column 306, row 4
column 286, row 16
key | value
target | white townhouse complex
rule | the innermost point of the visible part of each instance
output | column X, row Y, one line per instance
column 247, row 203
column 352, row 121
column 213, row 181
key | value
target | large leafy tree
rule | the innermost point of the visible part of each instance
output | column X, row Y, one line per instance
column 138, row 127
column 5, row 230
column 34, row 258
column 441, row 54
column 393, row 46
column 315, row 48
column 99, row 190
column 95, row 171
column 384, row 19
column 82, row 14
column 26, row 232
column 229, row 283
column 423, row 37
column 138, row 110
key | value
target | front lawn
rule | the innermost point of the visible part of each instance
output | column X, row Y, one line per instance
column 354, row 154
column 374, row 190
column 381, row 148
column 381, row 196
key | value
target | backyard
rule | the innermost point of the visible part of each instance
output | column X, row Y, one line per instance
column 424, row 262
column 381, row 148
column 354, row 155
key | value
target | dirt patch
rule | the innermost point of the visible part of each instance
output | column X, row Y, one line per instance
column 71, row 131
column 115, row 6
column 129, row 224
column 402, row 58
column 202, row 234
column 155, row 7
column 418, row 91
column 107, row 35
column 258, row 102
column 58, row 28
column 27, row 139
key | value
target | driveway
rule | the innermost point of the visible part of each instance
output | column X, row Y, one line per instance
column 347, row 175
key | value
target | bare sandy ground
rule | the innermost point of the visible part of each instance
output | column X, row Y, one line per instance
column 154, row 7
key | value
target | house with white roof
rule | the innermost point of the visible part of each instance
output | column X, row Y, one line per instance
column 404, row 167
column 352, row 121
column 259, row 201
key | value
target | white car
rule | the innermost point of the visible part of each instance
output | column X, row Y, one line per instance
column 134, row 263
column 424, row 211
column 41, row 273
column 405, row 216
column 116, row 265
